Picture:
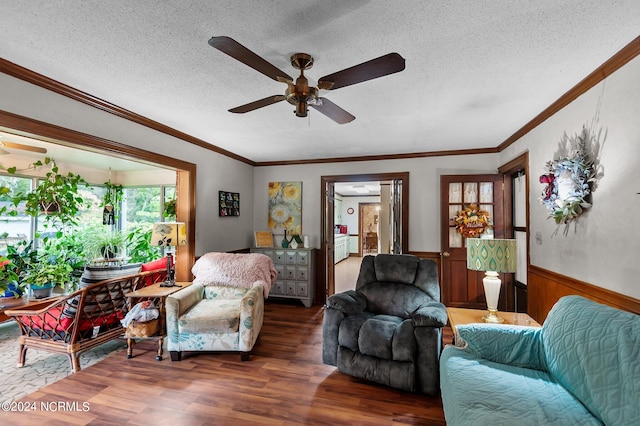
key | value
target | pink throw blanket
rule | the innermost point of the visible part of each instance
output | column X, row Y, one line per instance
column 235, row 270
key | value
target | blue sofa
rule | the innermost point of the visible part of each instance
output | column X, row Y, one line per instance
column 581, row 368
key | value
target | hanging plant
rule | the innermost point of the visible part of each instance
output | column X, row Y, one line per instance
column 110, row 202
column 472, row 221
column 56, row 195
column 113, row 194
column 569, row 181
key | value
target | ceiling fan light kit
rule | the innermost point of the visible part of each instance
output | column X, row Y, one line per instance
column 299, row 93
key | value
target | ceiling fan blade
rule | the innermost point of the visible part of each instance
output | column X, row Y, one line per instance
column 333, row 111
column 258, row 104
column 23, row 147
column 379, row 67
column 237, row 51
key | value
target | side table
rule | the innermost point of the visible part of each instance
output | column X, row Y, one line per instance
column 158, row 295
column 460, row 316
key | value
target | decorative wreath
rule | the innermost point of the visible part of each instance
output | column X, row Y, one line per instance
column 472, row 221
column 569, row 182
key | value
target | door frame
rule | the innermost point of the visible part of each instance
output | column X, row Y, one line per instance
column 509, row 170
column 325, row 274
column 455, row 280
column 361, row 207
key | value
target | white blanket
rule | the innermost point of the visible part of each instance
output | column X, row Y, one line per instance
column 235, row 270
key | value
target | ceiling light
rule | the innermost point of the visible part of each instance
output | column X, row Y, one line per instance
column 360, row 189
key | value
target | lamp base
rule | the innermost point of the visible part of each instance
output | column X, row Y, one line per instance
column 169, row 281
column 492, row 317
column 492, row 286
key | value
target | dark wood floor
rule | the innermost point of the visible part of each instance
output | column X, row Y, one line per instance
column 284, row 383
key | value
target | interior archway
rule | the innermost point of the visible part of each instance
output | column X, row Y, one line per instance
column 185, row 171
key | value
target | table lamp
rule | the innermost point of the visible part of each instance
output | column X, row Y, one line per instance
column 169, row 234
column 492, row 256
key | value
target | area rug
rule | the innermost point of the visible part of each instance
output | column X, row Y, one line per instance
column 41, row 368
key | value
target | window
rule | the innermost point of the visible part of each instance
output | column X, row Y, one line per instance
column 141, row 207
column 18, row 228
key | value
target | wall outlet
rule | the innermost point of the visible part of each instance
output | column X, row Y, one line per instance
column 539, row 238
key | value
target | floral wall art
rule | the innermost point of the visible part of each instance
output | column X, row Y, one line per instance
column 571, row 178
column 285, row 207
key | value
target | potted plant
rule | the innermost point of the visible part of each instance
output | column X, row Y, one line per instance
column 106, row 244
column 57, row 194
column 16, row 261
column 47, row 272
column 68, row 248
column 10, row 291
column 8, row 278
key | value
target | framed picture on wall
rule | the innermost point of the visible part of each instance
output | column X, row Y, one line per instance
column 228, row 203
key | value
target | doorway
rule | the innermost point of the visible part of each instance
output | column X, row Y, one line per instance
column 398, row 196
column 368, row 228
column 462, row 288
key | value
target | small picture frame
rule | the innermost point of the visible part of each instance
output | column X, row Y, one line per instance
column 264, row 239
column 228, row 204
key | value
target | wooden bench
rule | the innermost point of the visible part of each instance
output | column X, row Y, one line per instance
column 81, row 320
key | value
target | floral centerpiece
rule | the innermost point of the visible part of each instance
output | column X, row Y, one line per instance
column 569, row 182
column 472, row 221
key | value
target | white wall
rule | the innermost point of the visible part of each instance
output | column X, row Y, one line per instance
column 351, row 220
column 603, row 249
column 424, row 190
column 214, row 172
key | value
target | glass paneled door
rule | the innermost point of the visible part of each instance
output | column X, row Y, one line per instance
column 462, row 287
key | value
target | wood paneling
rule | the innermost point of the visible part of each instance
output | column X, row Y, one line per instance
column 546, row 287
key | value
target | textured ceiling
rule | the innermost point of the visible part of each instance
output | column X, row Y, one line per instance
column 476, row 71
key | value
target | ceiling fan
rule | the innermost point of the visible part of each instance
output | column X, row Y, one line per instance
column 299, row 93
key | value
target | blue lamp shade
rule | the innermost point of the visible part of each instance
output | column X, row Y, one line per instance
column 491, row 255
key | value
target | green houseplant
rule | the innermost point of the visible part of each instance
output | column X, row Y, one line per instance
column 170, row 208
column 139, row 247
column 16, row 262
column 57, row 194
column 47, row 272
column 111, row 202
column 8, row 277
column 99, row 243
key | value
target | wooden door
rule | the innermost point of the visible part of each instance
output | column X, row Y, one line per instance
column 462, row 287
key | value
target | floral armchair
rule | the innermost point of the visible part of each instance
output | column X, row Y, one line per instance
column 223, row 309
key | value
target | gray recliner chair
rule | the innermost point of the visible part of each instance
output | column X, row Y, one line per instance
column 389, row 329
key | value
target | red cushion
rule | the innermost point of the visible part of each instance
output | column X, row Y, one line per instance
column 156, row 264
column 50, row 320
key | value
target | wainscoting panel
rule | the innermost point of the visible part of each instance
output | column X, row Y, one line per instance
column 546, row 287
